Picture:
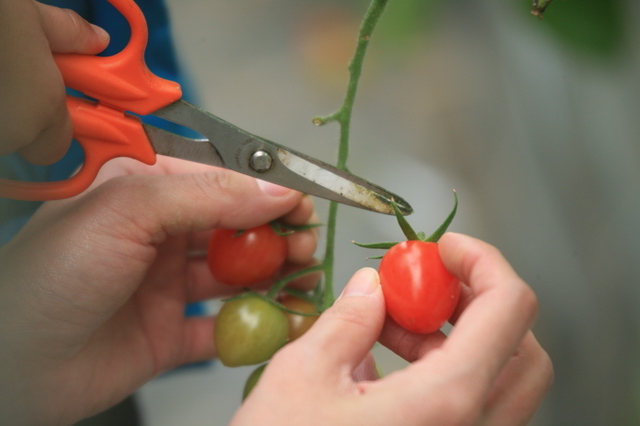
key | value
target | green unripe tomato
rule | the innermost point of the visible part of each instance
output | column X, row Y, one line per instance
column 252, row 380
column 248, row 331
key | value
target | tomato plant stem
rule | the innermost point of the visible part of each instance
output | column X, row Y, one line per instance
column 329, row 295
column 279, row 285
column 343, row 117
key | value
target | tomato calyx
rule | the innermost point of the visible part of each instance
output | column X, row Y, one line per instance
column 284, row 229
column 409, row 232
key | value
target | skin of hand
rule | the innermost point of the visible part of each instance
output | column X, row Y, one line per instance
column 33, row 113
column 93, row 289
column 489, row 370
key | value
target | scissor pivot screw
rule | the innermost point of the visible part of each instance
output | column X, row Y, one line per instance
column 261, row 161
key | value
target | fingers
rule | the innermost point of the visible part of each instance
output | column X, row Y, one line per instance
column 158, row 206
column 343, row 335
column 301, row 244
column 36, row 123
column 197, row 341
column 32, row 108
column 501, row 312
column 67, row 32
column 410, row 346
column 499, row 309
column 52, row 143
column 366, row 370
column 521, row 386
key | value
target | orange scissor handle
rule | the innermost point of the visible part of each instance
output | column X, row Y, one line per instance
column 123, row 80
column 119, row 83
column 104, row 134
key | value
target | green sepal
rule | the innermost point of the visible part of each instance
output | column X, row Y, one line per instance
column 374, row 257
column 443, row 228
column 252, row 380
column 284, row 229
column 304, row 295
column 383, row 245
column 404, row 225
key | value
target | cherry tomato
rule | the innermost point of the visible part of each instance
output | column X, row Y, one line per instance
column 420, row 294
column 248, row 258
column 248, row 331
column 298, row 324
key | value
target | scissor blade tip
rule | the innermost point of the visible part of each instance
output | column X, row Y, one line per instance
column 404, row 207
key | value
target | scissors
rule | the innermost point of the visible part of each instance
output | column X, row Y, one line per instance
column 122, row 84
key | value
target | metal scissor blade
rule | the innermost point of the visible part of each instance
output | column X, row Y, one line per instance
column 243, row 152
column 177, row 146
column 329, row 182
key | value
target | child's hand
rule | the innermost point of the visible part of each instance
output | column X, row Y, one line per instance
column 33, row 114
column 490, row 370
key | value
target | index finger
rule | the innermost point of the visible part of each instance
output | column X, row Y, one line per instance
column 502, row 309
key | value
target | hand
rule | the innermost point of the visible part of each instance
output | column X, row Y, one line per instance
column 93, row 289
column 33, row 113
column 490, row 370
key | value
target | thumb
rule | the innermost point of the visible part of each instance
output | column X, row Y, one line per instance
column 68, row 32
column 345, row 333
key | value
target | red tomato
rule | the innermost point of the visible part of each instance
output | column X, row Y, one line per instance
column 246, row 259
column 419, row 292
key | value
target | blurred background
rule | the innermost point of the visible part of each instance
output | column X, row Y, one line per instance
column 534, row 122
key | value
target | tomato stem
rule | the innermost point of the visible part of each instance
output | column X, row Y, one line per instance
column 407, row 230
column 279, row 285
column 343, row 117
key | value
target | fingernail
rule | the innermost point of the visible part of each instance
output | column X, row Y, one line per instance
column 100, row 32
column 273, row 189
column 365, row 282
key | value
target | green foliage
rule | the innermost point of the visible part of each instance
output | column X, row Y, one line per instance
column 405, row 19
column 594, row 27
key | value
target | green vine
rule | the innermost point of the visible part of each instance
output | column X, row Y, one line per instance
column 324, row 295
column 343, row 117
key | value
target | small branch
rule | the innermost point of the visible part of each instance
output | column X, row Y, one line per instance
column 355, row 70
column 279, row 285
column 539, row 6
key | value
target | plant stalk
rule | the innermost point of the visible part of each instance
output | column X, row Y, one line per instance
column 343, row 117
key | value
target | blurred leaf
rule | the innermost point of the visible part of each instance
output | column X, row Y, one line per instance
column 405, row 19
column 592, row 26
